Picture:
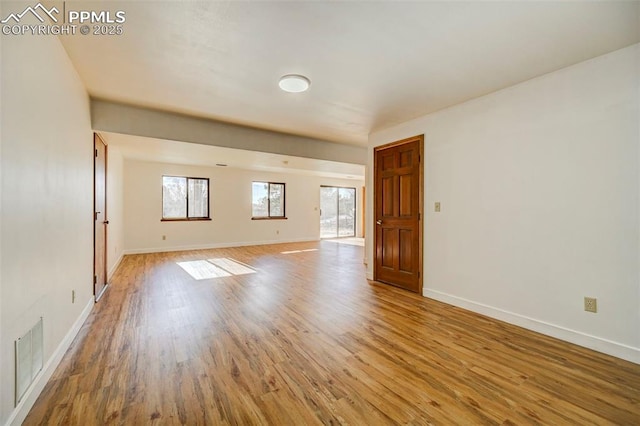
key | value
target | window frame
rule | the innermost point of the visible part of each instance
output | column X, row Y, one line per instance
column 186, row 200
column 284, row 201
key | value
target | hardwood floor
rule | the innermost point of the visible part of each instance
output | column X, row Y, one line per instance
column 303, row 338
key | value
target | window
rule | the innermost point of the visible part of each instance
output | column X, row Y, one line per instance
column 185, row 198
column 268, row 200
column 337, row 212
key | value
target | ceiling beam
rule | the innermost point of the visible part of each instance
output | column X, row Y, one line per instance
column 115, row 117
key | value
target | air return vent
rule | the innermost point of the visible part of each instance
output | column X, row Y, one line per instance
column 29, row 356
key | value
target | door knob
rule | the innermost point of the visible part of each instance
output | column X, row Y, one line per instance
column 379, row 221
column 106, row 222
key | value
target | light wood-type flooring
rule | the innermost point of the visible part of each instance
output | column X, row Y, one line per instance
column 301, row 338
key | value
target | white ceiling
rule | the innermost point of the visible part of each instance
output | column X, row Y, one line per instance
column 173, row 152
column 371, row 64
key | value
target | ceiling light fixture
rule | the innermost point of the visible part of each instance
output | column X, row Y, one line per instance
column 294, row 83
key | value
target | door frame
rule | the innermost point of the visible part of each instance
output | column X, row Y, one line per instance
column 421, row 218
column 96, row 138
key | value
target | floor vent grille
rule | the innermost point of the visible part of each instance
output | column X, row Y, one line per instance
column 29, row 358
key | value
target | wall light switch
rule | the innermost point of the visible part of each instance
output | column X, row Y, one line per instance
column 437, row 206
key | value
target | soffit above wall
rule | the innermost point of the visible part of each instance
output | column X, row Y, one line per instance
column 130, row 120
column 175, row 152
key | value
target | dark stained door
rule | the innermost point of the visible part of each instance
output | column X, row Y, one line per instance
column 398, row 207
column 100, row 217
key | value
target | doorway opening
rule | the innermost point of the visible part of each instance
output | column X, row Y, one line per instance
column 337, row 212
column 100, row 221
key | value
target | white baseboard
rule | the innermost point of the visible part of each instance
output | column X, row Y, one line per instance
column 114, row 267
column 216, row 245
column 599, row 344
column 24, row 406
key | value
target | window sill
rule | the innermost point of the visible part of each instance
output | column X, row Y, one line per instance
column 269, row 218
column 192, row 219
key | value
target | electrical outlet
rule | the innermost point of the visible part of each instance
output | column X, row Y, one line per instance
column 73, row 296
column 591, row 304
column 437, row 206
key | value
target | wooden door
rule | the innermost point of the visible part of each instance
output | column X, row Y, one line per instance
column 100, row 216
column 398, row 211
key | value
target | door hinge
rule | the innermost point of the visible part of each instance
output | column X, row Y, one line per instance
column 96, row 152
column 419, row 216
column 95, row 279
column 95, row 215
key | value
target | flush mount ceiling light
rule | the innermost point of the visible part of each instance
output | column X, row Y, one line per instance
column 294, row 83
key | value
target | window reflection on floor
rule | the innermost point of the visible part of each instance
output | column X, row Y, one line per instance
column 298, row 251
column 215, row 268
column 233, row 266
column 353, row 241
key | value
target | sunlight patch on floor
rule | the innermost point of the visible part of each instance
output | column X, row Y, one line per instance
column 350, row 241
column 215, row 268
column 298, row 251
column 232, row 266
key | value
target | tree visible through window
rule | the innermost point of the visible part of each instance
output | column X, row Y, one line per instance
column 268, row 200
column 185, row 198
column 337, row 212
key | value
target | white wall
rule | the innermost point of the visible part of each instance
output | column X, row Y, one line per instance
column 46, row 240
column 115, row 208
column 2, row 362
column 230, row 191
column 539, row 185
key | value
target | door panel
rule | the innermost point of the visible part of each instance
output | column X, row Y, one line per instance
column 405, row 258
column 388, row 162
column 387, row 196
column 388, row 244
column 100, row 217
column 405, row 196
column 406, row 158
column 328, row 212
column 346, row 212
column 398, row 210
